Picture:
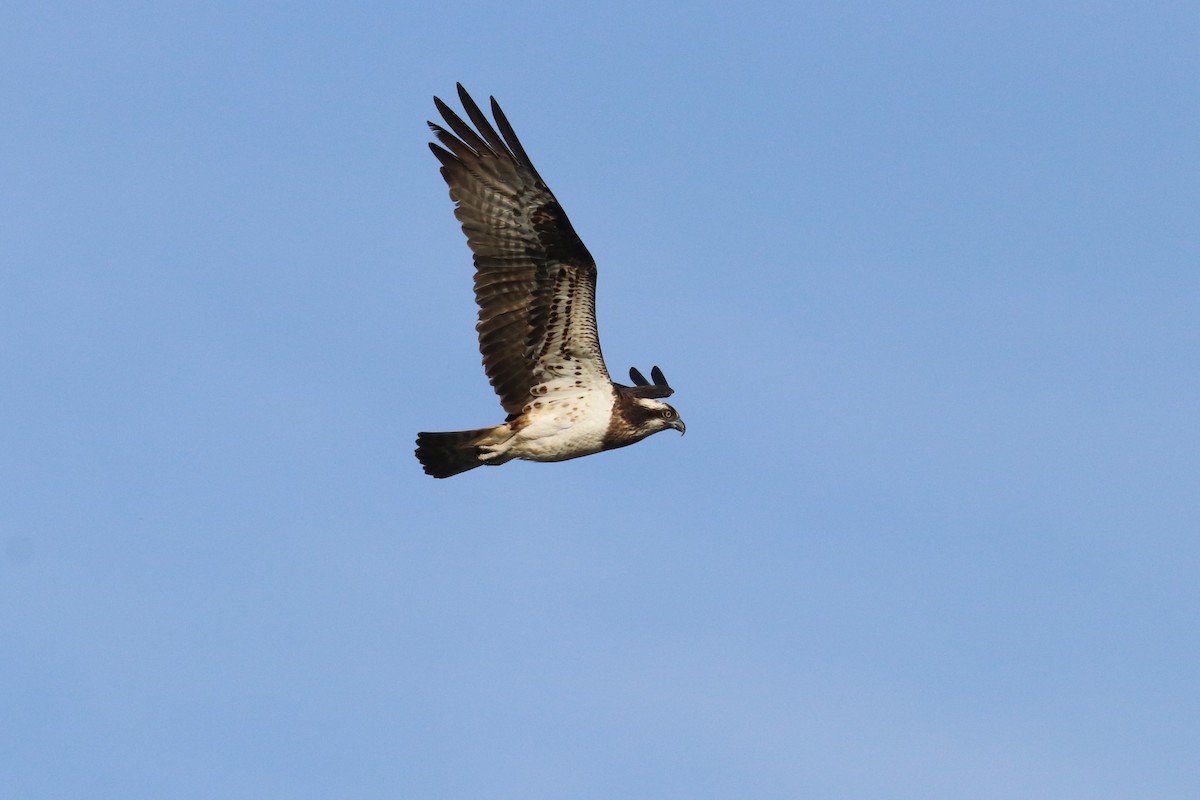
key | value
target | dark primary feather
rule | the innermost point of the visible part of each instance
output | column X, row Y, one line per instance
column 531, row 269
column 642, row 388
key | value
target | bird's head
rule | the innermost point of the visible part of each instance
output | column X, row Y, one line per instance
column 652, row 416
column 647, row 413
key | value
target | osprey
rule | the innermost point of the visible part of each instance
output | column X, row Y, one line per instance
column 535, row 284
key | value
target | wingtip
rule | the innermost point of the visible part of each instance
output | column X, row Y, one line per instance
column 441, row 105
column 464, row 95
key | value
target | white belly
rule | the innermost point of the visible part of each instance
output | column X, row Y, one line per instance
column 564, row 424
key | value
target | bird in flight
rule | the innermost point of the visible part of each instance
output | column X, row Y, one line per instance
column 535, row 284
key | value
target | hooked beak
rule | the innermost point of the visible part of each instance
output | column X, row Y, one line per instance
column 678, row 425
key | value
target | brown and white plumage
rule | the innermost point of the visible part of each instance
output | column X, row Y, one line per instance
column 535, row 284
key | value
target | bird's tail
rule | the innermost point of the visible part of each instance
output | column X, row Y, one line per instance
column 446, row 454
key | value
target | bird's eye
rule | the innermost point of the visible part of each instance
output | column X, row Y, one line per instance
column 668, row 413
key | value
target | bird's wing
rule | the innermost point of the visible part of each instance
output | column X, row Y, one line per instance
column 535, row 282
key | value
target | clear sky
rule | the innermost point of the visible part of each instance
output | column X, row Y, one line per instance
column 925, row 278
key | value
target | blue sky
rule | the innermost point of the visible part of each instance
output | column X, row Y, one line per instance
column 924, row 279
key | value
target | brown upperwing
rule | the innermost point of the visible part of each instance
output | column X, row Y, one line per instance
column 526, row 252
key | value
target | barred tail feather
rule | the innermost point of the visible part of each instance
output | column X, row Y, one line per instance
column 446, row 454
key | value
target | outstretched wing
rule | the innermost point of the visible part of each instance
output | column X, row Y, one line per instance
column 535, row 282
